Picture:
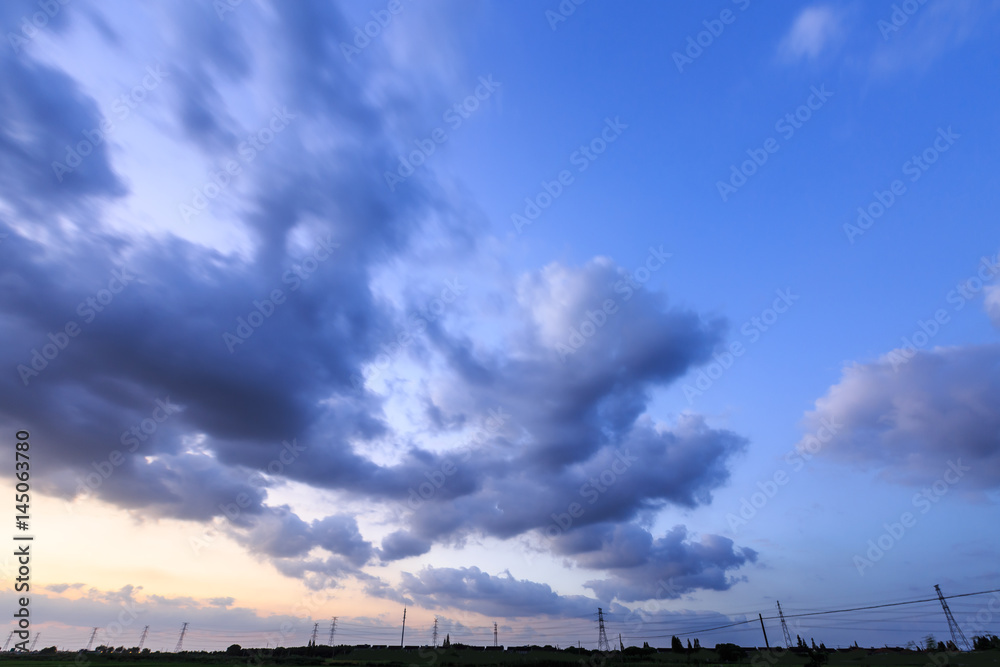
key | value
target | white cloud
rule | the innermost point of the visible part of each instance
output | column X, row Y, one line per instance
column 814, row 30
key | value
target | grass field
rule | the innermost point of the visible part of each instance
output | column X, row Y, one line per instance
column 539, row 658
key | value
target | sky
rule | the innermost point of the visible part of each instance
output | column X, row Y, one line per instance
column 501, row 312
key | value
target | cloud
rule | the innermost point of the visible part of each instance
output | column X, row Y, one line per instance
column 813, row 31
column 991, row 302
column 909, row 419
column 471, row 589
column 916, row 41
column 670, row 566
column 568, row 381
column 62, row 588
column 402, row 544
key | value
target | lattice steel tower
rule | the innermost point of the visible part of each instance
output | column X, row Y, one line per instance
column 784, row 628
column 957, row 635
column 180, row 640
column 602, row 636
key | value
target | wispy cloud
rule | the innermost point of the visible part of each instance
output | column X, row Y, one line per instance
column 816, row 29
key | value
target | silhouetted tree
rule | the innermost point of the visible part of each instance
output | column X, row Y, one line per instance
column 730, row 652
column 675, row 644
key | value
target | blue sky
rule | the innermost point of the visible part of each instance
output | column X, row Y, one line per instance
column 596, row 280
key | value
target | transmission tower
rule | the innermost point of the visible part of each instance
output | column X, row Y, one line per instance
column 602, row 636
column 91, row 642
column 142, row 639
column 7, row 643
column 402, row 633
column 494, row 634
column 180, row 640
column 784, row 628
column 957, row 635
column 312, row 642
column 333, row 630
column 34, row 642
column 435, row 640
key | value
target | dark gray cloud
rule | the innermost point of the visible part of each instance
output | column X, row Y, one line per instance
column 643, row 568
column 471, row 589
column 910, row 419
column 45, row 116
column 402, row 544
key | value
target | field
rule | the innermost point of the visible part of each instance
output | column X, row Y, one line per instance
column 457, row 657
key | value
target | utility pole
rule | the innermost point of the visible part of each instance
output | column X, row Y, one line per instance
column 602, row 637
column 957, row 635
column 180, row 640
column 761, row 617
column 784, row 628
column 91, row 642
column 402, row 632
